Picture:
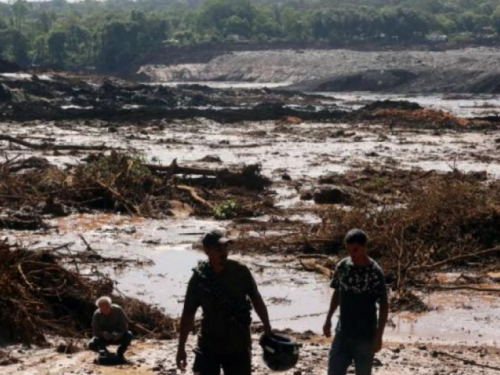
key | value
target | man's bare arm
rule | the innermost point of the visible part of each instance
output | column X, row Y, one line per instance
column 261, row 310
column 334, row 304
column 187, row 325
column 382, row 321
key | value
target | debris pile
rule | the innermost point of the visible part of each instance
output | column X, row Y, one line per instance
column 123, row 183
column 439, row 221
column 392, row 185
column 40, row 297
column 412, row 115
column 422, row 118
column 29, row 97
column 447, row 222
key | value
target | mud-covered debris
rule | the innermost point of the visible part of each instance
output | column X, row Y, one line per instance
column 341, row 133
column 40, row 297
column 331, row 194
column 435, row 221
column 408, row 301
column 439, row 225
column 422, row 118
column 68, row 348
column 54, row 207
column 66, row 97
column 124, row 183
column 289, row 120
column 211, row 159
column 403, row 105
column 7, row 359
column 21, row 220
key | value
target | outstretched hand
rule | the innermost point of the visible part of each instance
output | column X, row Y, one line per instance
column 181, row 359
column 327, row 328
column 377, row 344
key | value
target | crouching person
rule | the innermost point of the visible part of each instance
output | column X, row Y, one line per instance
column 110, row 327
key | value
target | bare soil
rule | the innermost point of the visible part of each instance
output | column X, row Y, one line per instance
column 158, row 358
column 470, row 70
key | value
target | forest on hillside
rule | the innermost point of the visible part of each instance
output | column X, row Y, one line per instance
column 101, row 35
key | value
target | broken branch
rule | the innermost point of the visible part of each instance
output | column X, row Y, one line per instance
column 51, row 146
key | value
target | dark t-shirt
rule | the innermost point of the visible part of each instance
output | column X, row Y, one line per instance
column 116, row 321
column 219, row 333
column 360, row 288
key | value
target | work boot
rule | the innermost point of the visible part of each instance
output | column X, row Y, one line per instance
column 120, row 358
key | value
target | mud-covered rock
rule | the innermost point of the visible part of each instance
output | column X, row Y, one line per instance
column 332, row 194
column 306, row 195
column 211, row 159
column 392, row 104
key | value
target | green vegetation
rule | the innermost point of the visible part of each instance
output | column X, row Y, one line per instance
column 104, row 35
column 225, row 210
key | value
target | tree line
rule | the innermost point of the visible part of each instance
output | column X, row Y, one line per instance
column 92, row 34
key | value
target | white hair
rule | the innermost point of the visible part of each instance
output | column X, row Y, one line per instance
column 103, row 301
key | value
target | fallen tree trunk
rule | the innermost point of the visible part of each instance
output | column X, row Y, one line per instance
column 174, row 168
column 21, row 224
column 249, row 176
column 51, row 146
column 30, row 163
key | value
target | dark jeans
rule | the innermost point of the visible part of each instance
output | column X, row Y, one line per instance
column 97, row 343
column 344, row 351
column 208, row 363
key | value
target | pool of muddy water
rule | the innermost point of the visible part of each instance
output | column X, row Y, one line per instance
column 296, row 299
column 299, row 300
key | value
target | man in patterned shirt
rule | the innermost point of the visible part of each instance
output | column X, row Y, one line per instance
column 359, row 285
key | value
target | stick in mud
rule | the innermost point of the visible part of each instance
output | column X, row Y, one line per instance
column 51, row 146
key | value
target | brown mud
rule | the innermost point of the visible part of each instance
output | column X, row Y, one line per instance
column 152, row 357
column 141, row 190
column 466, row 70
column 55, row 98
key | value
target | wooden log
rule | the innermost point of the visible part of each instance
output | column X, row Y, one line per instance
column 249, row 176
column 51, row 146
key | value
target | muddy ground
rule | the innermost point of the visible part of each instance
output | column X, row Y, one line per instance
column 471, row 70
column 158, row 358
column 380, row 152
